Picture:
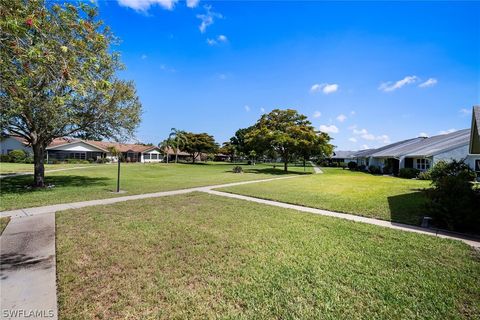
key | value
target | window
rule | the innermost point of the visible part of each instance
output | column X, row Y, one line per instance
column 154, row 156
column 423, row 164
column 146, row 156
column 477, row 165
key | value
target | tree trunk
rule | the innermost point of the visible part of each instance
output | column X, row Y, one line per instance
column 39, row 168
column 193, row 158
column 176, row 155
column 285, row 165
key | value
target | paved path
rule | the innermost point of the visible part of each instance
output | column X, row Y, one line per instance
column 28, row 279
column 316, row 168
column 6, row 175
column 75, row 205
column 377, row 222
column 27, row 268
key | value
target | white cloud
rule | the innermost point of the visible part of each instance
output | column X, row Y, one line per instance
column 144, row 5
column 389, row 86
column 167, row 68
column 326, row 88
column 247, row 108
column 341, row 117
column 262, row 110
column 423, row 134
column 465, row 112
column 352, row 139
column 208, row 18
column 365, row 135
column 352, row 113
column 222, row 38
column 211, row 42
column 329, row 129
column 192, row 3
column 429, row 83
column 447, row 131
column 144, row 56
column 317, row 114
column 365, row 146
column 219, row 39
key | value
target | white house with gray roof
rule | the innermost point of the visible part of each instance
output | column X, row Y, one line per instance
column 423, row 152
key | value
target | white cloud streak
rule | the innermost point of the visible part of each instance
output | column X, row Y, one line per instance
column 192, row 3
column 207, row 18
column 429, row 83
column 329, row 128
column 317, row 114
column 341, row 118
column 390, row 86
column 144, row 5
column 326, row 88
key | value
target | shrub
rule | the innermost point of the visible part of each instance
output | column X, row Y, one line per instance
column 425, row 175
column 237, row 169
column 76, row 161
column 374, row 169
column 352, row 165
column 387, row 169
column 342, row 164
column 18, row 156
column 453, row 201
column 103, row 160
column 362, row 167
column 4, row 158
column 408, row 173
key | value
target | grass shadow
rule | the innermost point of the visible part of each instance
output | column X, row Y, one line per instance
column 21, row 184
column 272, row 171
column 408, row 208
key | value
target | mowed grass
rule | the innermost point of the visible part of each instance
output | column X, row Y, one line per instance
column 10, row 168
column 199, row 256
column 99, row 181
column 387, row 198
column 3, row 223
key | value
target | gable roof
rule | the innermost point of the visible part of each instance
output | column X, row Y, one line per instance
column 438, row 144
column 102, row 145
column 384, row 150
column 339, row 154
column 475, row 131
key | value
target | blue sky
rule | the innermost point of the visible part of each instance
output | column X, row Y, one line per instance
column 368, row 73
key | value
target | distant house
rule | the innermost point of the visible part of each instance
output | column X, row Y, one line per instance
column 62, row 149
column 422, row 153
column 340, row 156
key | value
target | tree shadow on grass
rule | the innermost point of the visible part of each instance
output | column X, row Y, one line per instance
column 22, row 184
column 408, row 208
column 272, row 171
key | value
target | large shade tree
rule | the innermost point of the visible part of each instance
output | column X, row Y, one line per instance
column 58, row 77
column 198, row 143
column 287, row 133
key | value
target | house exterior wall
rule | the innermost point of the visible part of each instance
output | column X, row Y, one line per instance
column 151, row 156
column 77, row 147
column 9, row 144
column 454, row 154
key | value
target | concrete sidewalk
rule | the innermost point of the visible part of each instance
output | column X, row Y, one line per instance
column 27, row 268
column 316, row 168
column 75, row 205
column 382, row 223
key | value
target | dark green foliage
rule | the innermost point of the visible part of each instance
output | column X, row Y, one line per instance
column 18, row 156
column 237, row 169
column 374, row 169
column 4, row 158
column 425, row 175
column 454, row 204
column 352, row 165
column 408, row 173
column 362, row 167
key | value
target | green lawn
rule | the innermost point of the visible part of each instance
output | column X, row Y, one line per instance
column 198, row 256
column 9, row 168
column 3, row 223
column 387, row 198
column 98, row 181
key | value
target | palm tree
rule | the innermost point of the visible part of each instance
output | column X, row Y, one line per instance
column 179, row 138
column 165, row 145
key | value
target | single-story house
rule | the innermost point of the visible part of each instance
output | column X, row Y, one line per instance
column 61, row 149
column 423, row 152
column 340, row 156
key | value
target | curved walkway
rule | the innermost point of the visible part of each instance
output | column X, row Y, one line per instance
column 27, row 271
